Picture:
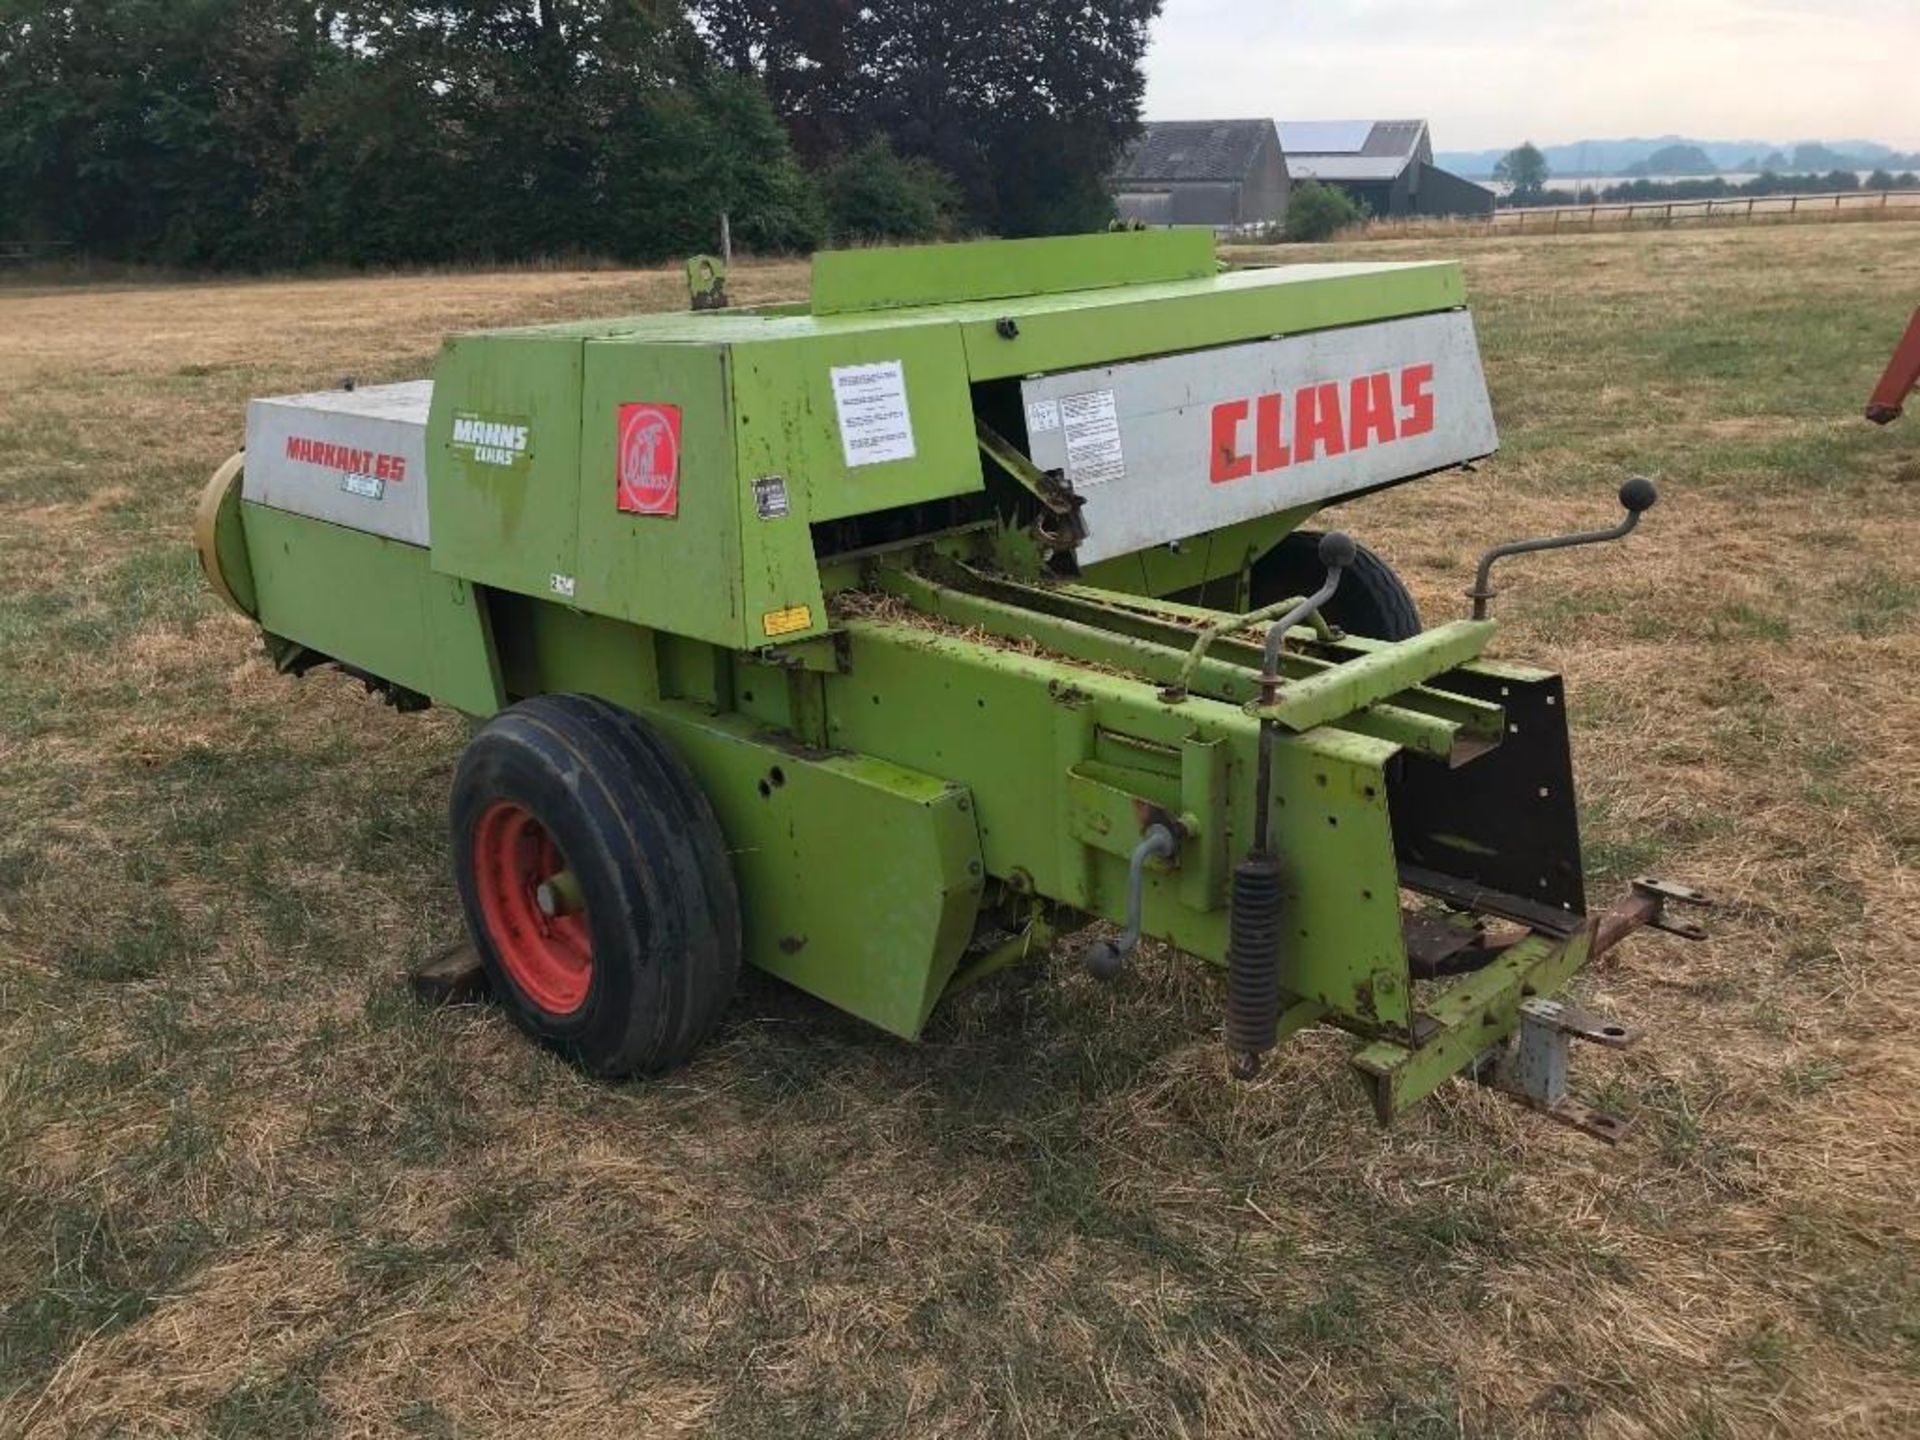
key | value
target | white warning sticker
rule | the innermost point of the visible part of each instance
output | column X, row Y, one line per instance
column 1091, row 426
column 1043, row 416
column 875, row 424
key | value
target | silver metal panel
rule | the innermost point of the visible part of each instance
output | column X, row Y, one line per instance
column 1323, row 137
column 1149, row 207
column 1170, row 448
column 1345, row 167
column 351, row 457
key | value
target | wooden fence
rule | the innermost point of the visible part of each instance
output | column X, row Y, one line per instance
column 1552, row 219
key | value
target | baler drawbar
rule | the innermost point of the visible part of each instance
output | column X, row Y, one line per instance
column 882, row 641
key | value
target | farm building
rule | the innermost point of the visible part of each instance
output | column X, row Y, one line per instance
column 1386, row 164
column 1223, row 173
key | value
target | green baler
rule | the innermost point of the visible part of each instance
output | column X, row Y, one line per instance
column 882, row 640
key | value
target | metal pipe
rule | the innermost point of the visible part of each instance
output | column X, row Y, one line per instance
column 1336, row 553
column 1263, row 788
column 1105, row 957
column 1218, row 628
column 1902, row 377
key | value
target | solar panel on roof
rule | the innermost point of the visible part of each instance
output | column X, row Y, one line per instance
column 1346, row 167
column 1324, row 137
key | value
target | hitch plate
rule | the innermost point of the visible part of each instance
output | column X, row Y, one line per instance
column 1533, row 1070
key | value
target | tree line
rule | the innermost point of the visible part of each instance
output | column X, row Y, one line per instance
column 269, row 133
column 1524, row 170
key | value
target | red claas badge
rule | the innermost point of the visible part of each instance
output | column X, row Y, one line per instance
column 649, row 459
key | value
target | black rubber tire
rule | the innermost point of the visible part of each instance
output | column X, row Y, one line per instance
column 1371, row 601
column 638, row 834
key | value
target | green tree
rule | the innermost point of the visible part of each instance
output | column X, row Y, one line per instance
column 874, row 194
column 687, row 153
column 1025, row 103
column 1524, row 169
column 1319, row 212
column 1676, row 160
column 267, row 132
column 159, row 130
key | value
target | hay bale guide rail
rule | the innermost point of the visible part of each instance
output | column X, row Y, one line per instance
column 883, row 640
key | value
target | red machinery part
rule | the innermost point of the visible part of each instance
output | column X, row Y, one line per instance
column 549, row 956
column 1901, row 379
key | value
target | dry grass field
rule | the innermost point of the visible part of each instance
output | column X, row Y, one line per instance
column 249, row 1188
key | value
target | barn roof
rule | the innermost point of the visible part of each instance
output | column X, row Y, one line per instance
column 1194, row 150
column 1353, row 149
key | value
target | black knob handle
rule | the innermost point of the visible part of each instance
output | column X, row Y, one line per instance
column 1638, row 494
column 1336, row 550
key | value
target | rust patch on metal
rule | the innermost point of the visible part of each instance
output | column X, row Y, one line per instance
column 1437, row 946
column 453, row 976
column 1063, row 693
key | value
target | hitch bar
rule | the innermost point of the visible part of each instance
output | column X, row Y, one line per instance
column 1471, row 1025
column 1532, row 1066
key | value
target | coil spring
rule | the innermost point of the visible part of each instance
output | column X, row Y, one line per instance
column 1253, row 962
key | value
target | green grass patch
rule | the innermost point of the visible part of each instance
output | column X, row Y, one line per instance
column 1876, row 603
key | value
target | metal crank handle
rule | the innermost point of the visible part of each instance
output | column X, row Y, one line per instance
column 1104, row 958
column 1637, row 496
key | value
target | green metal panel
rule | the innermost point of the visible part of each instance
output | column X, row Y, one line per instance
column 1340, row 690
column 1102, row 327
column 372, row 603
column 547, row 649
column 789, row 425
column 860, row 879
column 1011, row 727
column 678, row 572
column 1082, row 327
column 898, row 277
column 509, row 525
column 1230, row 550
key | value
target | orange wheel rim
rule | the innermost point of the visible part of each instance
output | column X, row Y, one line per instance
column 550, row 957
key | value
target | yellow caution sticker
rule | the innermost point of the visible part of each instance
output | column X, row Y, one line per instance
column 790, row 621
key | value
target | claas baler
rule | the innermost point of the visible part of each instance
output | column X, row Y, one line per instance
column 882, row 640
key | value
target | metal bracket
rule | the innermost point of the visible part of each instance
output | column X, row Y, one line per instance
column 1664, row 893
column 1054, row 494
column 453, row 976
column 707, row 282
column 1533, row 1070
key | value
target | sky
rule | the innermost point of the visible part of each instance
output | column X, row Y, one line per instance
column 1491, row 73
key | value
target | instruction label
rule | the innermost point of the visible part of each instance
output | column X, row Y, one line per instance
column 1043, row 417
column 770, row 497
column 871, row 401
column 789, row 621
column 1090, row 425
